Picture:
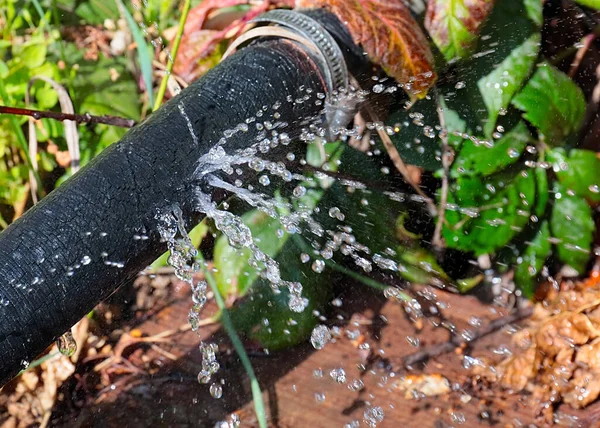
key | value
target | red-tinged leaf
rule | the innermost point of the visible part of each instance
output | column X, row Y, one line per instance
column 197, row 45
column 455, row 24
column 390, row 36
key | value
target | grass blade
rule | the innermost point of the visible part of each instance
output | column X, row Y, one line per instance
column 259, row 406
column 142, row 50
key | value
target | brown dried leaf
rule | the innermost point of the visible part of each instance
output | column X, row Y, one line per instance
column 563, row 332
column 455, row 24
column 588, row 356
column 390, row 36
column 556, row 372
column 519, row 370
column 584, row 388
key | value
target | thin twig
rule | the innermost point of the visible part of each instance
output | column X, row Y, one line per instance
column 586, row 43
column 395, row 155
column 79, row 118
column 401, row 167
column 458, row 340
column 437, row 234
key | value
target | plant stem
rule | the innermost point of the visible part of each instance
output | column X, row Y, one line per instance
column 259, row 406
column 437, row 234
column 163, row 83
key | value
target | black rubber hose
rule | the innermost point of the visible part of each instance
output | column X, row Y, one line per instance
column 99, row 229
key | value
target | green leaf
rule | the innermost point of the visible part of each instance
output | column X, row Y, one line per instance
column 33, row 55
column 573, row 225
column 265, row 316
column 484, row 160
column 417, row 147
column 541, row 185
column 579, row 171
column 455, row 24
column 499, row 87
column 196, row 235
column 490, row 212
column 592, row 4
column 535, row 9
column 234, row 274
column 420, row 266
column 532, row 260
column 3, row 70
column 467, row 284
column 45, row 96
column 120, row 99
column 454, row 125
column 143, row 50
column 553, row 103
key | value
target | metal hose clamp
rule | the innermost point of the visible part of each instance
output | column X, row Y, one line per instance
column 302, row 28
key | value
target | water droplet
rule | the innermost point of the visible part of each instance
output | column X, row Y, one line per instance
column 513, row 153
column 338, row 375
column 299, row 191
column 378, row 88
column 264, row 180
column 320, row 336
column 318, row 266
column 66, row 344
column 216, row 390
column 373, row 415
column 356, row 385
column 594, row 188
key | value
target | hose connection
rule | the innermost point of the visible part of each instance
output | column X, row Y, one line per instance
column 341, row 103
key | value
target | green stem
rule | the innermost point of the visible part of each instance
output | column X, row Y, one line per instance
column 259, row 406
column 163, row 83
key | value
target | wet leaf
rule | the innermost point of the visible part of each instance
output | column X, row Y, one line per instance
column 454, row 24
column 484, row 160
column 553, row 103
column 489, row 213
column 420, row 266
column 519, row 370
column 412, row 144
column 467, row 284
column 234, row 274
column 563, row 332
column 196, row 235
column 573, row 225
column 264, row 316
column 578, row 171
column 533, row 260
column 499, row 87
column 390, row 36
